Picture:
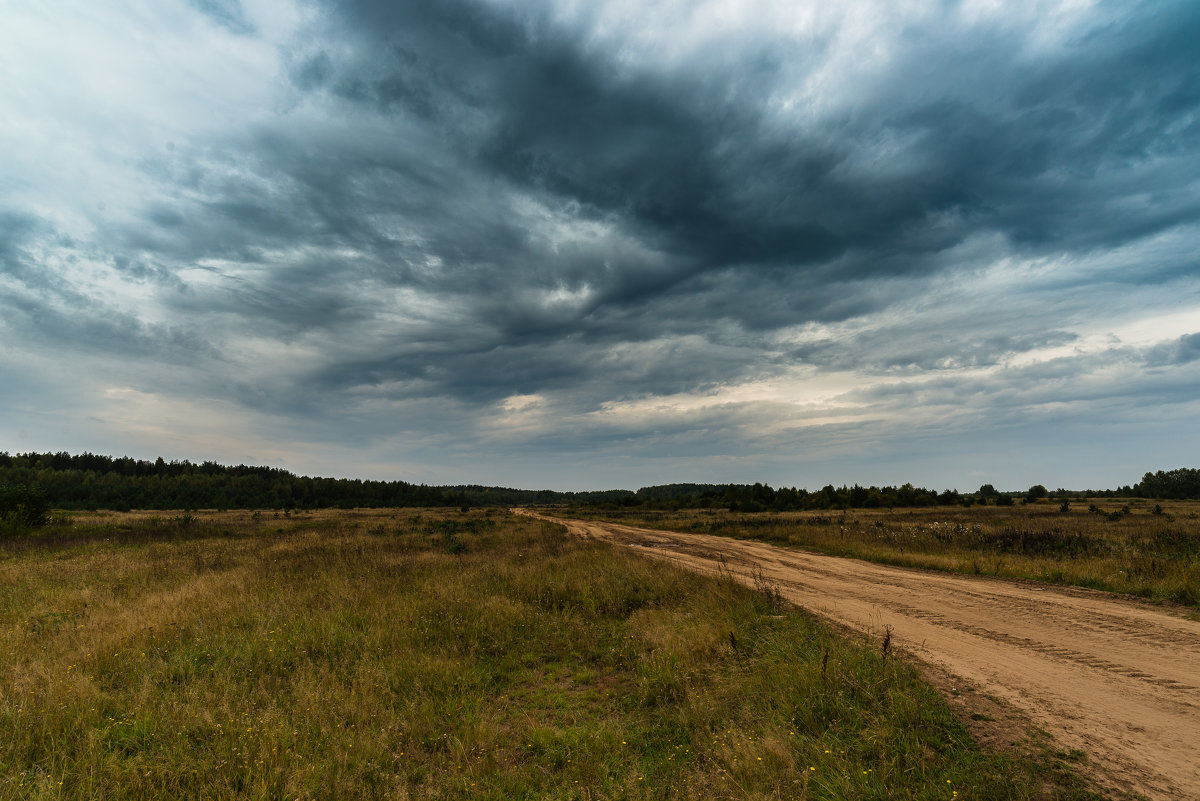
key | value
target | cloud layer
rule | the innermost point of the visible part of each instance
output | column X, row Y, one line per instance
column 591, row 245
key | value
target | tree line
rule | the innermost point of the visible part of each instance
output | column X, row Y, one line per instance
column 92, row 481
column 1181, row 483
column 763, row 497
column 31, row 481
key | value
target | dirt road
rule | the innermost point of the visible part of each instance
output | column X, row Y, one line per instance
column 1115, row 678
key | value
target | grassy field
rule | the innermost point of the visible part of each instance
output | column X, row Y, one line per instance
column 1145, row 548
column 436, row 654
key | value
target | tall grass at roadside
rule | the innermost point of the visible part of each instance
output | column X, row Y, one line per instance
column 1145, row 548
column 441, row 655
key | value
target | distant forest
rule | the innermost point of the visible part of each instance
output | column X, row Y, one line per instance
column 90, row 481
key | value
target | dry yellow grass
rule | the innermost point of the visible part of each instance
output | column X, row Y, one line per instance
column 1154, row 554
column 420, row 654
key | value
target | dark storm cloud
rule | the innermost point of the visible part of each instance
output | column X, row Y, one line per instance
column 479, row 371
column 1183, row 351
column 712, row 199
column 692, row 159
column 433, row 206
column 713, row 207
column 730, row 205
column 661, row 154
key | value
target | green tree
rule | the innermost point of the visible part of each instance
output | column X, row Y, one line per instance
column 23, row 506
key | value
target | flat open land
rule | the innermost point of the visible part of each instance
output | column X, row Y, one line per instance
column 1114, row 677
column 448, row 654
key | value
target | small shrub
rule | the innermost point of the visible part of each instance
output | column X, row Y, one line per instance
column 1112, row 516
column 22, row 506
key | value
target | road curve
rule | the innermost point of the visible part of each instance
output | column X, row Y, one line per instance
column 1116, row 678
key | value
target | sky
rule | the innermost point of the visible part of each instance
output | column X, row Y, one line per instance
column 585, row 244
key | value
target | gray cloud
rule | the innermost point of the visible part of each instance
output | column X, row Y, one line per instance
column 1184, row 350
column 434, row 206
column 229, row 14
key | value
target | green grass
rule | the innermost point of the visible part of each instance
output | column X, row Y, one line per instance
column 1118, row 546
column 444, row 655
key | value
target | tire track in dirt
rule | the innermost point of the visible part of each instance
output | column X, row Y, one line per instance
column 1116, row 678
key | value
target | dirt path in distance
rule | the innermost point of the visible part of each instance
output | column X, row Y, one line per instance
column 1113, row 677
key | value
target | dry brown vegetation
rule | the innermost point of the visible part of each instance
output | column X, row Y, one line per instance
column 419, row 654
column 1145, row 548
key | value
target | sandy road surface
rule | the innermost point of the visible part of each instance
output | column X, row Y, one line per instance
column 1113, row 677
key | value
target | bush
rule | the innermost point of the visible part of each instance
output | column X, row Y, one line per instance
column 22, row 506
